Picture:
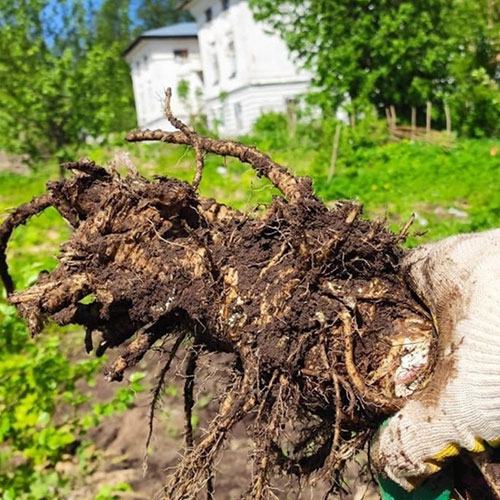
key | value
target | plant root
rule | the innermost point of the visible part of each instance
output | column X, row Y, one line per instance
column 155, row 400
column 188, row 394
column 17, row 218
column 195, row 469
column 309, row 302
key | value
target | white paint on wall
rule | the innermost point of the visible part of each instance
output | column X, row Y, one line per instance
column 159, row 63
column 239, row 110
column 247, row 69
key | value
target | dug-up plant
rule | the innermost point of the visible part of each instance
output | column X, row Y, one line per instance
column 310, row 303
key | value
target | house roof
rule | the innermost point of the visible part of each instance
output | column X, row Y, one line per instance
column 182, row 4
column 179, row 30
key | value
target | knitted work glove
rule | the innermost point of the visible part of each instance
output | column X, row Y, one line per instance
column 459, row 279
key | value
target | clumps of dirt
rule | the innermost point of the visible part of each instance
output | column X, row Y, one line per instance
column 309, row 302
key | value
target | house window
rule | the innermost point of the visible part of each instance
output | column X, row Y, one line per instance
column 231, row 55
column 225, row 4
column 215, row 65
column 216, row 69
column 208, row 15
column 181, row 54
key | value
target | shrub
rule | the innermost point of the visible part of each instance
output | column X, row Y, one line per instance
column 42, row 421
column 271, row 131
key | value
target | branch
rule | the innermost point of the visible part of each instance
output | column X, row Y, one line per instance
column 193, row 136
column 293, row 189
column 17, row 218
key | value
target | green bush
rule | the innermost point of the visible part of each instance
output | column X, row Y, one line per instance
column 451, row 191
column 475, row 105
column 271, row 131
column 42, row 419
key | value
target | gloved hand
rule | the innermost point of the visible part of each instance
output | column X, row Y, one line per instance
column 459, row 279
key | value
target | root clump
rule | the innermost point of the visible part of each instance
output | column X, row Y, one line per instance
column 309, row 301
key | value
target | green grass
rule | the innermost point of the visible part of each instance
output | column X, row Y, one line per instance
column 33, row 247
column 450, row 191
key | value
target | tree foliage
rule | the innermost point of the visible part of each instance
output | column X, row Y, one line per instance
column 62, row 75
column 113, row 23
column 400, row 53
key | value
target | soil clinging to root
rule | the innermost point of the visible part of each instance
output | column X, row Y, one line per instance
column 310, row 302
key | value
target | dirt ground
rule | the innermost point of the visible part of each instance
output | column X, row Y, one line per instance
column 121, row 439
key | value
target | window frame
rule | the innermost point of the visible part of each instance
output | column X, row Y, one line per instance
column 181, row 55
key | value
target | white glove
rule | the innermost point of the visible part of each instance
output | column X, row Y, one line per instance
column 459, row 280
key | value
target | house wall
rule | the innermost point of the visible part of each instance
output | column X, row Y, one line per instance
column 244, row 66
column 238, row 111
column 154, row 68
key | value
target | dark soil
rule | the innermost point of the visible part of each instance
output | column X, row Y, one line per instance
column 120, row 442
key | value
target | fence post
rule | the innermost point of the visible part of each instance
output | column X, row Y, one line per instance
column 335, row 152
column 388, row 117
column 413, row 123
column 448, row 118
column 393, row 115
column 352, row 119
column 428, row 118
column 291, row 117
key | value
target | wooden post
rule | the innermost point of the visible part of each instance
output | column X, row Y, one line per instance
column 491, row 13
column 413, row 123
column 335, row 152
column 291, row 116
column 393, row 115
column 428, row 118
column 388, row 117
column 448, row 118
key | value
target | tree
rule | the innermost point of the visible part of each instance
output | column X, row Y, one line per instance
column 112, row 22
column 107, row 75
column 385, row 53
column 58, row 84
column 474, row 93
column 157, row 13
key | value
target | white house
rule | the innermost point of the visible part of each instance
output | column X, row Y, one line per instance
column 162, row 58
column 246, row 69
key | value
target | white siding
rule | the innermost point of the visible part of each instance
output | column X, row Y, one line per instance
column 246, row 70
column 241, row 108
